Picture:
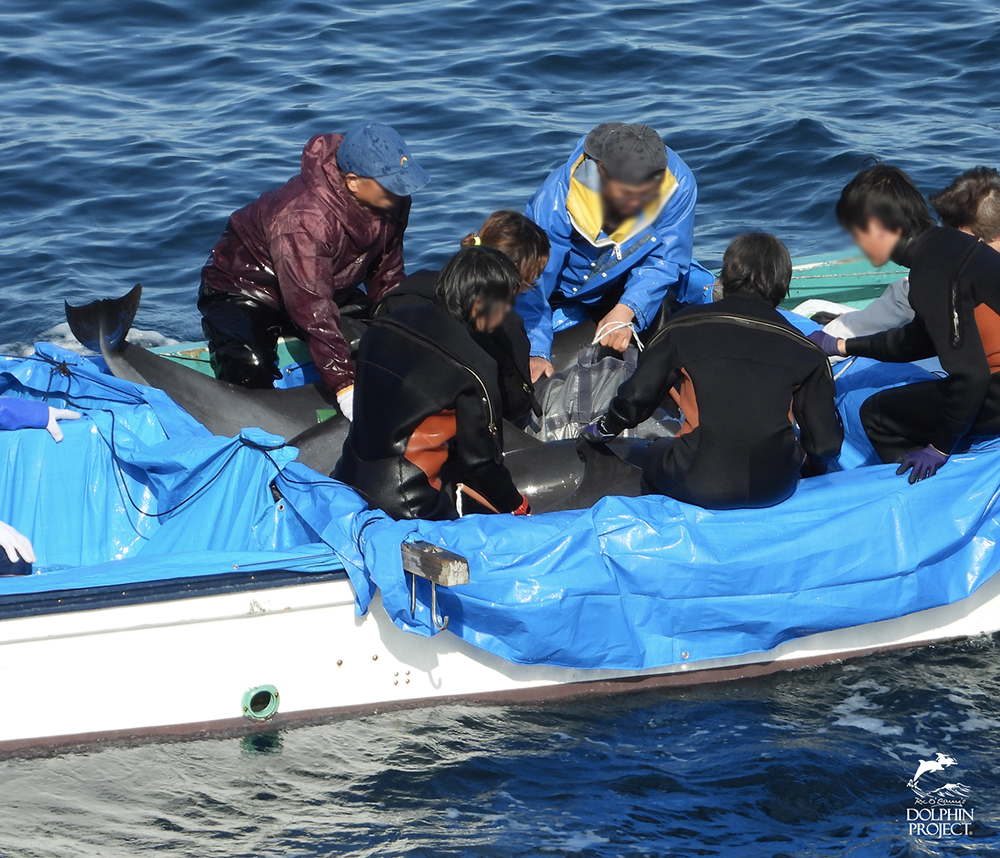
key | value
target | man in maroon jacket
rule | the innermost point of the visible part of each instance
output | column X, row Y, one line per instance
column 288, row 262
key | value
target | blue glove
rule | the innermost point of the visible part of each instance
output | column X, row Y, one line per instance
column 921, row 463
column 595, row 433
column 826, row 343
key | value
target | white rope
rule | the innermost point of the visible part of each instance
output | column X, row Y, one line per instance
column 844, row 367
column 459, row 494
column 611, row 327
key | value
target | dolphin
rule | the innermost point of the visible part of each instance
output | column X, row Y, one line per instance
column 221, row 407
column 557, row 475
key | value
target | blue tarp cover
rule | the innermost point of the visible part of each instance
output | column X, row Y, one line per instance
column 139, row 491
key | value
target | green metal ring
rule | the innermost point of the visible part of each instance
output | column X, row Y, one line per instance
column 260, row 703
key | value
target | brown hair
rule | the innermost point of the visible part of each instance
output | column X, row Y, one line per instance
column 518, row 238
column 972, row 201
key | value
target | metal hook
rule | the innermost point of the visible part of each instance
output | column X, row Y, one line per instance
column 434, row 610
column 440, row 626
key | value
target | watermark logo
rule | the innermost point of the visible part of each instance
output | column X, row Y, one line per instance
column 940, row 805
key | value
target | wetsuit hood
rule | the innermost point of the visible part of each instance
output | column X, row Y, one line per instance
column 903, row 252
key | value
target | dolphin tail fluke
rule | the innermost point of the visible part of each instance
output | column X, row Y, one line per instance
column 102, row 325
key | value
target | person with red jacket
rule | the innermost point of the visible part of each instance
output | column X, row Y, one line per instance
column 291, row 260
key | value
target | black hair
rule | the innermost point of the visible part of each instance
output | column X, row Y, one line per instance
column 888, row 194
column 757, row 263
column 520, row 239
column 481, row 274
column 972, row 201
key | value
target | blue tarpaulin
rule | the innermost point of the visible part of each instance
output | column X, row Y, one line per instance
column 139, row 489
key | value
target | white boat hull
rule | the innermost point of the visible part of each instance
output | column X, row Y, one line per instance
column 180, row 668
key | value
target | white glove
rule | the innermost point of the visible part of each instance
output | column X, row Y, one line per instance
column 345, row 402
column 15, row 544
column 52, row 427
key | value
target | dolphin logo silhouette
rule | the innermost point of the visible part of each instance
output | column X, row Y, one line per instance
column 938, row 764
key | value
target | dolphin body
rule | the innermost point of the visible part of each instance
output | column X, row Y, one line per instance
column 558, row 475
column 221, row 407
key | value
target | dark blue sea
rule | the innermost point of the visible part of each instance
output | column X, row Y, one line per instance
column 130, row 130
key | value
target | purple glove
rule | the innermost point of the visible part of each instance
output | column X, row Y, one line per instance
column 595, row 433
column 921, row 463
column 826, row 343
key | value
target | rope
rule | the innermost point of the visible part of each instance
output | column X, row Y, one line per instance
column 611, row 327
column 162, row 513
column 64, row 370
column 844, row 274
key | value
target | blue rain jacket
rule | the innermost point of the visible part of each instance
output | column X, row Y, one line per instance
column 23, row 413
column 651, row 254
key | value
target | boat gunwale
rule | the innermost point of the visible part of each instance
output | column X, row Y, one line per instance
column 49, row 602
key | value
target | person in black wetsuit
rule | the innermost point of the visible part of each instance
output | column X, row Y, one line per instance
column 527, row 246
column 955, row 295
column 756, row 397
column 427, row 422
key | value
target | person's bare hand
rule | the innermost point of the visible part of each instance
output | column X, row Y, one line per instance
column 538, row 367
column 616, row 339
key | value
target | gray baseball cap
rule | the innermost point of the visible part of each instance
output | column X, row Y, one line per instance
column 632, row 154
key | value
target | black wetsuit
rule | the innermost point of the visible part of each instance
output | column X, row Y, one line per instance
column 426, row 417
column 955, row 294
column 739, row 373
column 508, row 345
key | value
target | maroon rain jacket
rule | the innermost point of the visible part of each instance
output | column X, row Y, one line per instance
column 304, row 246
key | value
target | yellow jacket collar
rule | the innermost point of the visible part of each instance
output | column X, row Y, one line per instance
column 586, row 210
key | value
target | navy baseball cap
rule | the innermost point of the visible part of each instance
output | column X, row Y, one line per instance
column 376, row 151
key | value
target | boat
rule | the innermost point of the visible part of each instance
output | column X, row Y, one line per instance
column 331, row 611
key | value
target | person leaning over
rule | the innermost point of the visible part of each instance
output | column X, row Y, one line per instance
column 620, row 217
column 526, row 245
column 290, row 261
column 428, row 432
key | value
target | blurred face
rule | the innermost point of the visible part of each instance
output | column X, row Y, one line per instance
column 876, row 241
column 627, row 200
column 487, row 322
column 371, row 194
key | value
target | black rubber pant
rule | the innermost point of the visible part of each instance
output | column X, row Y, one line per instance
column 722, row 477
column 902, row 419
column 242, row 338
column 243, row 334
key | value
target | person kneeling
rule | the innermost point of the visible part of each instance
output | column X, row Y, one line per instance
column 427, row 434
column 743, row 379
column 955, row 295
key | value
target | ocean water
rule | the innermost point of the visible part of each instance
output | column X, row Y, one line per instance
column 130, row 130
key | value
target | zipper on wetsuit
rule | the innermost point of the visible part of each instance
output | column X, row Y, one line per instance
column 413, row 335
column 956, row 321
column 739, row 320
